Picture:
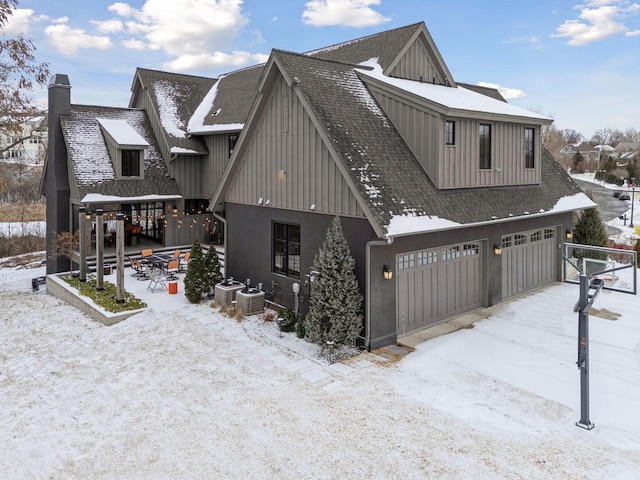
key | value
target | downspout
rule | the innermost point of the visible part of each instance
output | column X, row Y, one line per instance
column 367, row 313
column 224, row 224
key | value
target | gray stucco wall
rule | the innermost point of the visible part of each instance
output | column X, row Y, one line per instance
column 249, row 244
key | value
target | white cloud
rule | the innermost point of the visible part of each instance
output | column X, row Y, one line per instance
column 18, row 22
column 69, row 40
column 134, row 44
column 206, row 61
column 350, row 13
column 109, row 26
column 184, row 27
column 598, row 19
column 507, row 93
column 122, row 9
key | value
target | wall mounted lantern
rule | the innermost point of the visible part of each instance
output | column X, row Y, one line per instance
column 387, row 273
column 568, row 234
column 174, row 211
column 497, row 250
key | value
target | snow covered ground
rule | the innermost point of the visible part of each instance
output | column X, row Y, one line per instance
column 180, row 391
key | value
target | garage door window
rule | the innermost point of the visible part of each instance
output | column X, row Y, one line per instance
column 406, row 261
column 451, row 253
column 549, row 233
column 425, row 258
column 470, row 249
column 519, row 239
column 536, row 236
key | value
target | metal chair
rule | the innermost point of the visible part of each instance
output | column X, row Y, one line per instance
column 173, row 267
column 157, row 278
column 185, row 261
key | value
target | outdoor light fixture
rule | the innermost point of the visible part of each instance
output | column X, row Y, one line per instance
column 386, row 271
column 568, row 234
column 87, row 214
column 174, row 211
column 283, row 171
column 497, row 250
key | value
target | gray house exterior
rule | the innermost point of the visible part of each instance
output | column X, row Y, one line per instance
column 444, row 185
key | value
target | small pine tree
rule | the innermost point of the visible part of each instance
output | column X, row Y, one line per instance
column 590, row 230
column 336, row 302
column 213, row 269
column 195, row 280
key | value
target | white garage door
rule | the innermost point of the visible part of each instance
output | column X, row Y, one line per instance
column 529, row 260
column 436, row 284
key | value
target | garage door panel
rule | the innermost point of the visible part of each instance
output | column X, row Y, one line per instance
column 436, row 284
column 529, row 261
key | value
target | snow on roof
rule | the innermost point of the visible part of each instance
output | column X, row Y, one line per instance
column 221, row 128
column 409, row 224
column 99, row 198
column 196, row 122
column 184, row 151
column 122, row 133
column 456, row 98
column 573, row 202
column 168, row 97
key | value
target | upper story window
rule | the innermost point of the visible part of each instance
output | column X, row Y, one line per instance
column 450, row 132
column 130, row 163
column 485, row 146
column 529, row 147
column 286, row 249
column 126, row 147
column 233, row 139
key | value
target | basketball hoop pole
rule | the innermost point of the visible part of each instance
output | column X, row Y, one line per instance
column 582, row 307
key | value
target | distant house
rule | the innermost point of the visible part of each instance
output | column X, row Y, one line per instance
column 29, row 146
column 443, row 185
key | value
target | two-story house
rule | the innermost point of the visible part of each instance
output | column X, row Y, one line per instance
column 445, row 193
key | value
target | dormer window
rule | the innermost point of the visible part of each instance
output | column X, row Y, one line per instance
column 130, row 163
column 126, row 148
column 529, row 147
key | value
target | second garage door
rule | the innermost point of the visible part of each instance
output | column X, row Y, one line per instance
column 436, row 284
column 529, row 260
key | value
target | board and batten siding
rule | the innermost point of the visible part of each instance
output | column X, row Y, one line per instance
column 460, row 163
column 417, row 64
column 458, row 166
column 286, row 163
column 416, row 126
column 216, row 163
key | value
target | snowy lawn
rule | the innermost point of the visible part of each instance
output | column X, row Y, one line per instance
column 181, row 392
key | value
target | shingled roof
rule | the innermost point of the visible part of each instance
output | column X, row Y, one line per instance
column 177, row 97
column 386, row 46
column 228, row 103
column 383, row 169
column 91, row 164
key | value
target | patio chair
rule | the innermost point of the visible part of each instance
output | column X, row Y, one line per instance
column 177, row 253
column 142, row 270
column 146, row 252
column 136, row 267
column 157, row 278
column 173, row 267
column 184, row 262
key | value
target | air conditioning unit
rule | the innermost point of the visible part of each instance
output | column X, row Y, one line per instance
column 225, row 292
column 250, row 301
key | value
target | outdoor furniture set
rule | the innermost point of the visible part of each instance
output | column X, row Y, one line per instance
column 159, row 268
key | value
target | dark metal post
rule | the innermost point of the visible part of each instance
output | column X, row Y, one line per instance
column 120, row 257
column 81, row 242
column 633, row 199
column 583, row 352
column 99, row 249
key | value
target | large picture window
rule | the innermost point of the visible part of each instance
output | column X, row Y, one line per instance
column 529, row 148
column 130, row 163
column 485, row 146
column 286, row 249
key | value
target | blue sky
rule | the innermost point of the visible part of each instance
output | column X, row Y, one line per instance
column 577, row 62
